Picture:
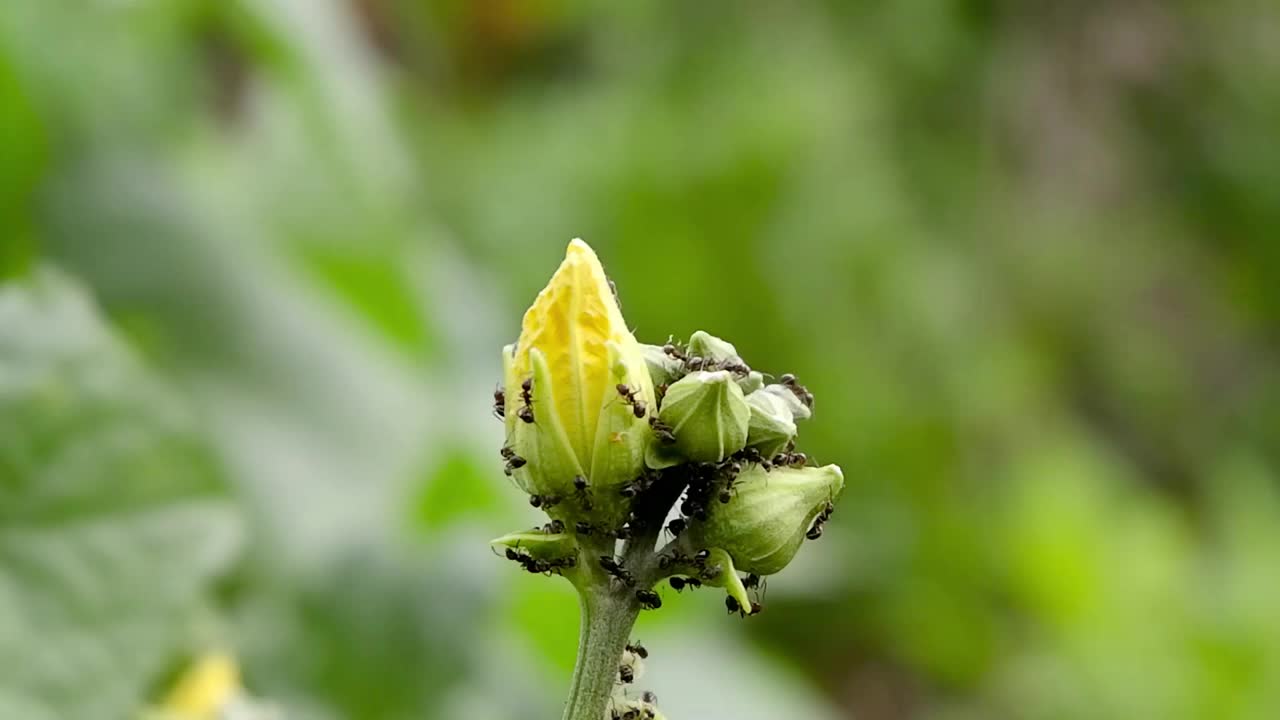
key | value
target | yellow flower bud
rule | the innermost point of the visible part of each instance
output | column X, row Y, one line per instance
column 205, row 689
column 578, row 391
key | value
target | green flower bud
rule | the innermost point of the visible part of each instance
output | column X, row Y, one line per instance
column 772, row 423
column 762, row 527
column 663, row 369
column 711, row 348
column 708, row 415
column 752, row 382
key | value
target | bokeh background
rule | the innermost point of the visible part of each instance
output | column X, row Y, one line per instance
column 260, row 255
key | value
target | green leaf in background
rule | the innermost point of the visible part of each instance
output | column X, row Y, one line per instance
column 112, row 524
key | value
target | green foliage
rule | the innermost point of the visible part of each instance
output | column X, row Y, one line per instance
column 112, row 521
column 1026, row 256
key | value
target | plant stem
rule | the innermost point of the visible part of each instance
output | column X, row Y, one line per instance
column 607, row 619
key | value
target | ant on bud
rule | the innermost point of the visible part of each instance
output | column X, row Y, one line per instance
column 815, row 532
column 797, row 389
column 629, row 397
column 662, row 430
column 544, row 501
column 694, row 363
column 526, row 395
column 673, row 350
column 499, row 403
column 580, row 487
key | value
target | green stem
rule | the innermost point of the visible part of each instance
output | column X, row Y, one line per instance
column 607, row 619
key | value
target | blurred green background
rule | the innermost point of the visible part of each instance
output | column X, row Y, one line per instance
column 260, row 256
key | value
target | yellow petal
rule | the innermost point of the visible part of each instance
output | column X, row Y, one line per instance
column 572, row 322
column 205, row 687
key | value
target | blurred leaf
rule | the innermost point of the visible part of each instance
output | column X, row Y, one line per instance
column 457, row 487
column 112, row 524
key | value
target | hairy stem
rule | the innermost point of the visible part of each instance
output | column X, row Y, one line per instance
column 607, row 619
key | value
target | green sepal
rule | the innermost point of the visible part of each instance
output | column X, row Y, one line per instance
column 708, row 414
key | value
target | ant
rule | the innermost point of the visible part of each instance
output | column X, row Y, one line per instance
column 662, row 430
column 675, row 351
column 514, row 461
column 583, row 528
column 675, row 558
column 626, row 674
column 649, row 599
column 580, row 487
column 526, row 395
column 638, row 650
column 614, row 568
column 752, row 455
column 555, row 527
column 676, row 526
column 499, row 403
column 736, row 367
column 799, row 390
column 544, row 501
column 694, row 363
column 731, row 470
column 624, row 532
column 790, row 459
column 629, row 397
column 680, row 583
column 815, row 532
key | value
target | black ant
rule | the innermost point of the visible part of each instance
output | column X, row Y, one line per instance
column 790, row 459
column 555, row 527
column 676, row 526
column 626, row 674
column 751, row 581
column 797, row 389
column 649, row 599
column 614, row 568
column 544, row 501
column 629, row 397
column 514, row 462
column 694, row 363
column 680, row 583
column 731, row 470
column 526, row 395
column 731, row 604
column 675, row 351
column 638, row 650
column 662, row 430
column 499, row 403
column 752, row 455
column 815, row 532
column 624, row 532
column 735, row 367
column 580, row 487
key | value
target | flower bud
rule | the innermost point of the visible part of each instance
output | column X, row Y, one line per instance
column 663, row 369
column 772, row 425
column 708, row 415
column 578, row 391
column 712, row 349
column 751, row 382
column 762, row 527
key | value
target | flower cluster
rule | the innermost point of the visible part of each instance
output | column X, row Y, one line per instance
column 675, row 462
column 608, row 435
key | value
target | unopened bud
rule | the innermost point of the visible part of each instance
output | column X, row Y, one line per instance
column 708, row 415
column 772, row 425
column 765, row 522
column 712, row 349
